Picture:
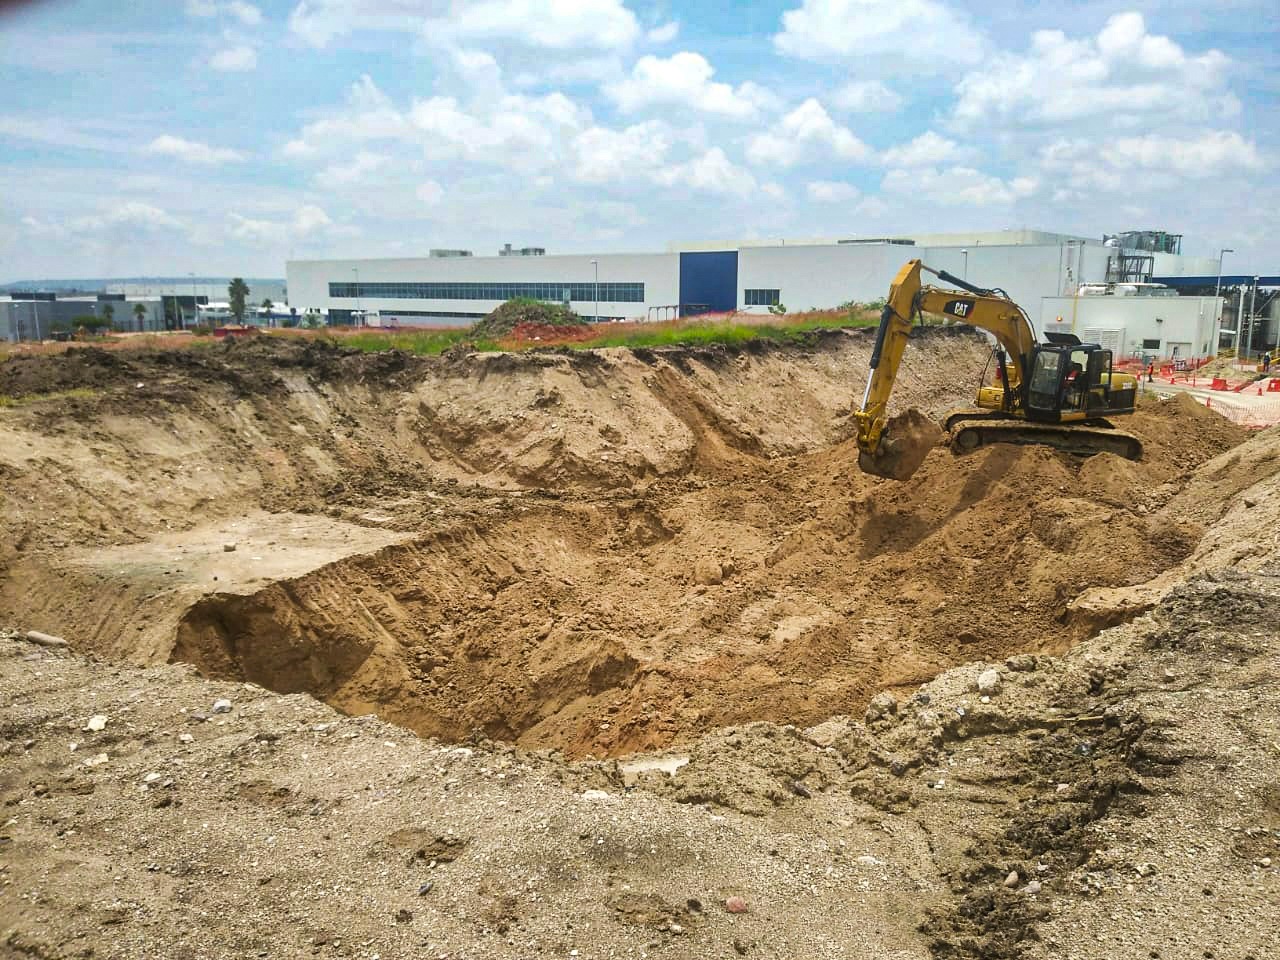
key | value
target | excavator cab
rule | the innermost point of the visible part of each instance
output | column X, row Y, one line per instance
column 1071, row 381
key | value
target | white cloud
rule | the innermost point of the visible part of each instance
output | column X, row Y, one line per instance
column 1150, row 163
column 867, row 96
column 517, row 131
column 603, row 155
column 132, row 214
column 191, row 151
column 357, row 171
column 430, row 193
column 499, row 129
column 368, row 114
column 1118, row 78
column 246, row 13
column 958, row 186
column 927, row 150
column 237, row 59
column 919, row 34
column 552, row 24
column 542, row 24
column 684, row 79
column 571, row 70
column 828, row 191
column 663, row 34
column 307, row 220
column 796, row 136
column 710, row 172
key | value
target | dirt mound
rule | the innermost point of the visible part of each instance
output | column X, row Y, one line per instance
column 503, row 321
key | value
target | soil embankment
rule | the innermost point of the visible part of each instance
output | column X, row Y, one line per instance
column 596, row 552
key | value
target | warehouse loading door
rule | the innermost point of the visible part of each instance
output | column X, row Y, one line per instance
column 708, row 282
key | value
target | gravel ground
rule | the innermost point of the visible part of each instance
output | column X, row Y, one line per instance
column 1120, row 801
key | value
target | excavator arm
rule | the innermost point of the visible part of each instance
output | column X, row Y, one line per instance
column 899, row 453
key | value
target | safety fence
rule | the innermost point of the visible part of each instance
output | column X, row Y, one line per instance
column 1256, row 414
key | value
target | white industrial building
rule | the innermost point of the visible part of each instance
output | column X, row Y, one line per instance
column 1035, row 268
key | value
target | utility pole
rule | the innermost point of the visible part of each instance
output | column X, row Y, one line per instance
column 356, row 271
column 1217, row 291
column 1253, row 303
column 596, row 265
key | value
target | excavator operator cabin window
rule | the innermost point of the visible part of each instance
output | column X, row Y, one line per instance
column 1046, row 379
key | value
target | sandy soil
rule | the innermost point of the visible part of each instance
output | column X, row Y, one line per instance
column 589, row 555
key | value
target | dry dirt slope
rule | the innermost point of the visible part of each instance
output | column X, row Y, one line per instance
column 729, row 565
column 598, row 553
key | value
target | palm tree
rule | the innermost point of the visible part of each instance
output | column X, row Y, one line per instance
column 237, row 290
column 267, row 307
column 109, row 314
column 139, row 314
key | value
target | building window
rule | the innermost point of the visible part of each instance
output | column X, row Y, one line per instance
column 762, row 298
column 1151, row 344
column 610, row 292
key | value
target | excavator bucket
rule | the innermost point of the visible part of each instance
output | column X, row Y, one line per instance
column 906, row 441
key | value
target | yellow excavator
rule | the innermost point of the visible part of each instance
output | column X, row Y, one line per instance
column 1058, row 392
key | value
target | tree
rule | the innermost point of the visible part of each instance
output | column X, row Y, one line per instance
column 312, row 319
column 237, row 290
column 172, row 314
column 267, row 307
column 140, row 314
column 109, row 314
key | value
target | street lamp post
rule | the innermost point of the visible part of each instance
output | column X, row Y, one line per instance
column 356, row 271
column 1217, row 292
column 966, row 263
column 195, row 308
column 596, row 265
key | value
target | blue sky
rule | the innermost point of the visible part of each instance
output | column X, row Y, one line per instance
column 223, row 136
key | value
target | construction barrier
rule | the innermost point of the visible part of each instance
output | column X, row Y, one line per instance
column 1273, row 385
column 1253, row 415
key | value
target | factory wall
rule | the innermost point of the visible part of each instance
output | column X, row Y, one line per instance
column 799, row 276
column 1152, row 327
column 826, row 276
column 309, row 281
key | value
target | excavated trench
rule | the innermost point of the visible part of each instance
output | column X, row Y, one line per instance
column 624, row 554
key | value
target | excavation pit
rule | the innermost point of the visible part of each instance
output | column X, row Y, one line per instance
column 598, row 555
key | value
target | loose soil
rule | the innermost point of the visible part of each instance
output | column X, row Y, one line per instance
column 596, row 553
column 586, row 555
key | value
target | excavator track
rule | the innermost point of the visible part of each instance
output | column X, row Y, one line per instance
column 1081, row 440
